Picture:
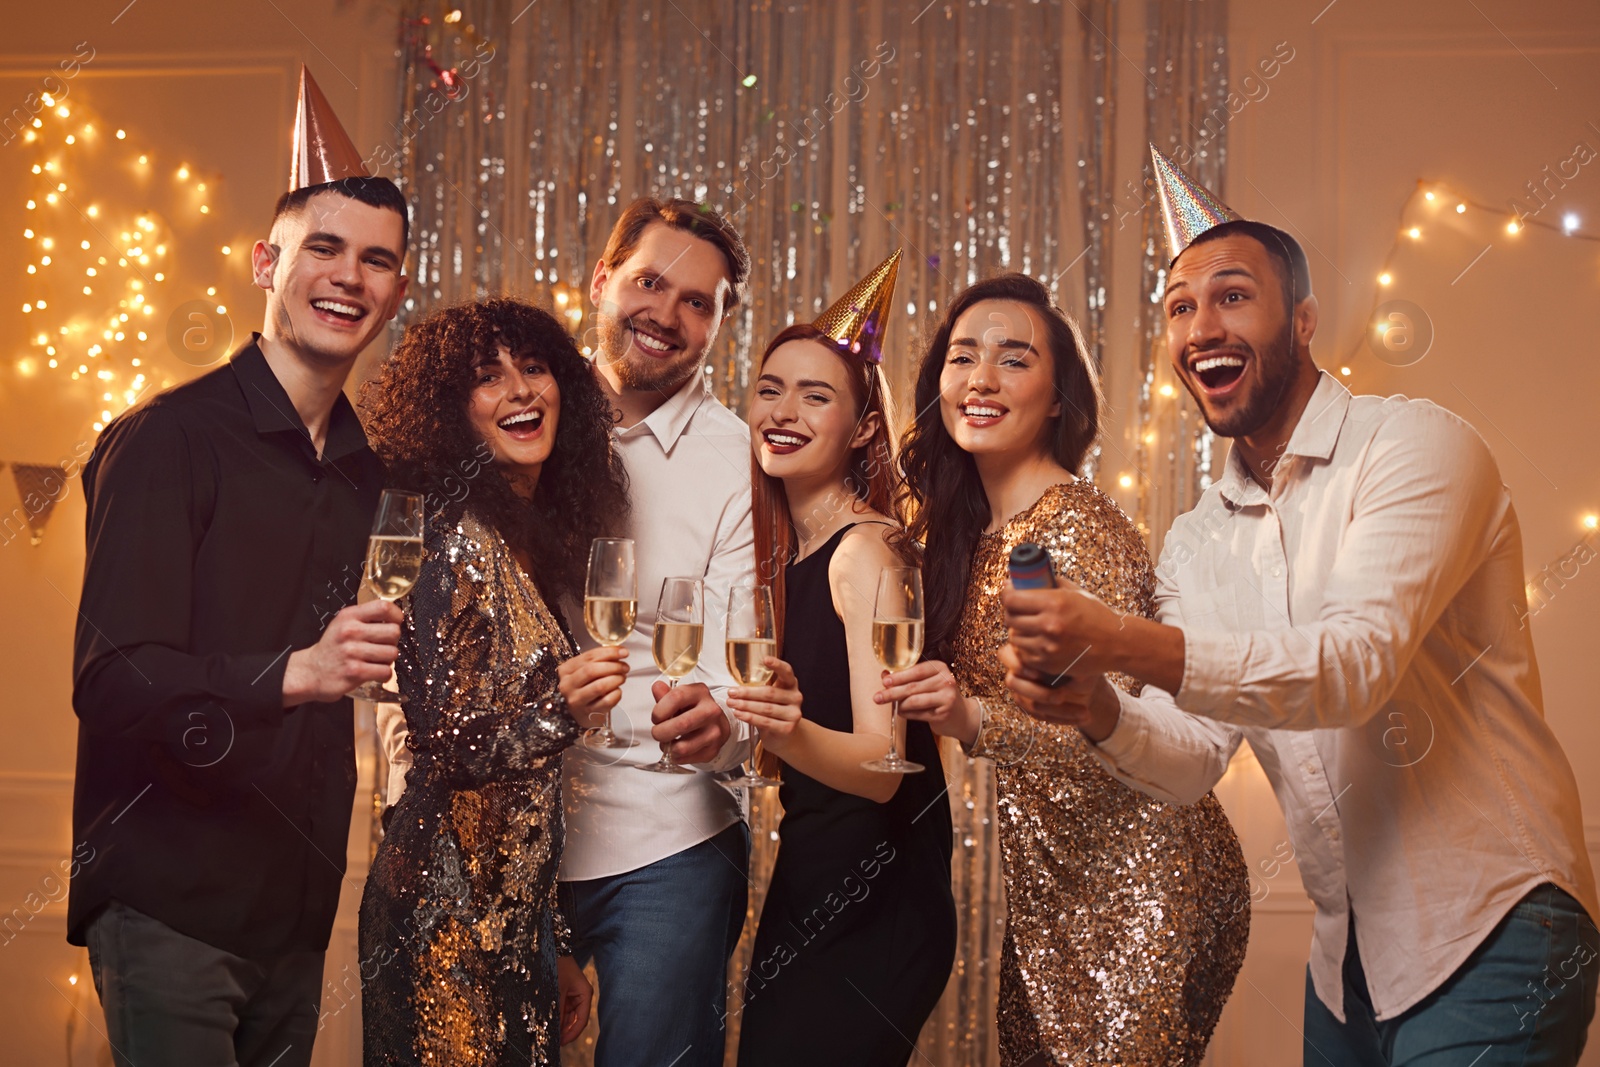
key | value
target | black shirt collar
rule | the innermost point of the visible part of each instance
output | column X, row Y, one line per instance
column 274, row 412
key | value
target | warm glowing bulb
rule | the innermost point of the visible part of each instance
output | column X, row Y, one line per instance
column 183, row 173
column 1385, row 278
column 205, row 209
column 93, row 211
column 49, row 101
column 72, row 979
column 71, row 139
column 1569, row 222
column 144, row 159
column 1166, row 390
column 32, row 269
column 1427, row 196
column 122, row 135
column 1345, row 371
column 63, row 112
column 1150, row 438
column 228, row 251
column 1126, row 481
column 32, row 205
column 1414, row 233
column 29, row 235
column 1461, row 209
column 1591, row 522
column 38, row 169
column 1513, row 226
column 221, row 310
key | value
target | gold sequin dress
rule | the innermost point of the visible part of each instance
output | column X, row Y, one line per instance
column 1126, row 918
column 459, row 925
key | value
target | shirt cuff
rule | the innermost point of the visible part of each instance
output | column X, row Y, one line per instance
column 1127, row 738
column 1213, row 662
column 252, row 682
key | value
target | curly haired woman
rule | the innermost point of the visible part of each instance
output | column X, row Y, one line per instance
column 490, row 411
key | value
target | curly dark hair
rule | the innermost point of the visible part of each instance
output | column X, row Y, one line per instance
column 417, row 422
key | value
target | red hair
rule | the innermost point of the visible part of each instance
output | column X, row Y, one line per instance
column 873, row 476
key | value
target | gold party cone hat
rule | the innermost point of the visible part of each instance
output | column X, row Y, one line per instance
column 1188, row 209
column 857, row 319
column 323, row 152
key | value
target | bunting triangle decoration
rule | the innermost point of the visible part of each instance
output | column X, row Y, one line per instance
column 323, row 152
column 1188, row 208
column 857, row 320
column 41, row 486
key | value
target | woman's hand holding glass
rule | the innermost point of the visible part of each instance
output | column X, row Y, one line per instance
column 773, row 708
column 591, row 682
column 928, row 691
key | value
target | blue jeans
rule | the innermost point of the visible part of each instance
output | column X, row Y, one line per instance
column 1524, row 997
column 171, row 999
column 660, row 938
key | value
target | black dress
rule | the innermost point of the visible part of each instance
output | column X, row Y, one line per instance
column 858, row 932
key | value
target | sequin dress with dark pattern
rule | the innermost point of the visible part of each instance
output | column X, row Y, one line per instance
column 459, row 926
column 1126, row 918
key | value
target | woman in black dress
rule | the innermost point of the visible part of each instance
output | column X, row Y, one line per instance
column 490, row 410
column 857, row 934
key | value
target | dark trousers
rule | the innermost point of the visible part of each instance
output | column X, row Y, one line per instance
column 1524, row 998
column 660, row 938
column 170, row 999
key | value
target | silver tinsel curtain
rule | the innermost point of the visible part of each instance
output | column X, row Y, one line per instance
column 831, row 133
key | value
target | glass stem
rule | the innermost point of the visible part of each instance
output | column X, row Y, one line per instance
column 894, row 733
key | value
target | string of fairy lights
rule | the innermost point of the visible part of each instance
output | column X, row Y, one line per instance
column 105, row 279
column 97, row 271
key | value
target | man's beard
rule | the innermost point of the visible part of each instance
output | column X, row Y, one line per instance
column 641, row 372
column 1276, row 361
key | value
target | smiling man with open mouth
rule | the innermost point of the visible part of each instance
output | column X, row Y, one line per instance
column 1348, row 596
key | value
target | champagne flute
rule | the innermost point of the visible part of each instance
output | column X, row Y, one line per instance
column 897, row 642
column 610, row 605
column 680, row 628
column 394, row 560
column 752, row 637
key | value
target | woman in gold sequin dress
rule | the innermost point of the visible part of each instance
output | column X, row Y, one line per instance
column 1126, row 918
column 489, row 410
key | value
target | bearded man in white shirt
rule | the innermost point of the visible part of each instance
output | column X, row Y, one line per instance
column 1349, row 598
column 654, row 876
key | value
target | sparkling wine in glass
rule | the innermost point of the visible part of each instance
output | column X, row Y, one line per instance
column 610, row 604
column 680, row 629
column 897, row 642
column 394, row 560
column 752, row 637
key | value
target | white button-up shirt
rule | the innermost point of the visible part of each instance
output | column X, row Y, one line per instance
column 1363, row 626
column 688, row 466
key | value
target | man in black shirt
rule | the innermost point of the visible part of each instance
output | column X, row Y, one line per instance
column 227, row 521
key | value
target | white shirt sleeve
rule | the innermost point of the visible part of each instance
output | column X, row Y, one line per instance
column 1157, row 747
column 1427, row 499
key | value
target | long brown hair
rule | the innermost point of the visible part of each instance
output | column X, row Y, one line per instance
column 873, row 477
column 947, row 505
